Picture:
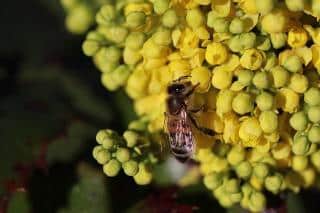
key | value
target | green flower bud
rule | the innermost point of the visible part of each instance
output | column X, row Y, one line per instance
column 96, row 36
column 314, row 114
column 257, row 202
column 162, row 37
column 221, row 149
column 138, row 125
column 213, row 180
column 261, row 170
column 116, row 34
column 271, row 62
column 220, row 25
column 130, row 168
column 264, row 6
column 90, row 47
column 245, row 77
column 195, row 18
column 268, row 121
column 131, row 56
column 106, row 15
column 103, row 156
column 121, row 74
column 299, row 163
column 123, row 155
column 263, row 43
column 95, row 150
column 160, row 6
column 314, row 134
column 236, row 155
column 298, row 121
column 278, row 40
column 131, row 138
column 79, row 19
column 315, row 159
column 236, row 26
column 232, row 186
column 261, row 80
column 244, row 169
column 135, row 19
column 265, row 101
column 135, row 40
column 113, row 54
column 144, row 175
column 170, row 18
column 225, row 201
column 312, row 96
column 298, row 83
column 247, row 40
column 300, row 145
column 295, row 5
column 293, row 63
column 234, row 44
column 108, row 143
column 68, row 4
column 242, row 103
column 108, row 81
column 102, row 134
column 280, row 76
column 273, row 183
column 112, row 168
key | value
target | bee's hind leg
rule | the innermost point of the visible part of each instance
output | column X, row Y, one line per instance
column 205, row 130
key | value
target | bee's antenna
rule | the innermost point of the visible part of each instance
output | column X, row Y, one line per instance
column 182, row 78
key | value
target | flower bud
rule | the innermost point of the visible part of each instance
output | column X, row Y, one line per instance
column 314, row 134
column 265, row 101
column 201, row 75
column 213, row 180
column 220, row 25
column 236, row 155
column 130, row 168
column 278, row 40
column 103, row 156
column 95, row 150
column 280, row 76
column 315, row 159
column 79, row 19
column 135, row 40
column 265, row 6
column 257, row 202
column 293, row 63
column 90, row 47
column 144, row 176
column 261, row 170
column 298, row 121
column 274, row 22
column 299, row 163
column 268, row 121
column 162, row 37
column 112, row 168
column 244, row 170
column 251, row 59
column 236, row 26
column 247, row 40
column 245, row 77
column 195, row 18
column 314, row 114
column 135, row 19
column 273, row 183
column 224, row 101
column 170, row 18
column 131, row 138
column 261, row 80
column 123, row 155
column 312, row 96
column 106, row 15
column 242, row 103
column 263, row 43
column 102, row 134
column 298, row 83
column 216, row 53
column 160, row 6
column 300, row 145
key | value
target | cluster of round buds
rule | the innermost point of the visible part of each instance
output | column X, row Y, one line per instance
column 257, row 63
column 131, row 152
column 80, row 14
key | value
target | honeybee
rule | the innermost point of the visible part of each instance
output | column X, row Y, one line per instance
column 179, row 119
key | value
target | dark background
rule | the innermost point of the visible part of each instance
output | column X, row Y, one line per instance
column 52, row 104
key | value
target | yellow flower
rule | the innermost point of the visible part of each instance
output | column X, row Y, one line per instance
column 198, row 58
column 137, row 83
column 138, row 7
column 159, row 80
column 201, row 75
column 316, row 56
column 250, row 131
column 150, row 104
column 216, row 53
column 249, row 6
column 231, row 128
column 314, row 33
column 252, row 59
column 222, row 7
column 179, row 68
column 288, row 100
column 297, row 37
column 274, row 22
column 221, row 78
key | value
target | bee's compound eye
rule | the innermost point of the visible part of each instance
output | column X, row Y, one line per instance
column 176, row 88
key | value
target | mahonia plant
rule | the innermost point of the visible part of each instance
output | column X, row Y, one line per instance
column 257, row 64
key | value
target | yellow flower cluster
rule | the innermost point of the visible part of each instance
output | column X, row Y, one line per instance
column 257, row 64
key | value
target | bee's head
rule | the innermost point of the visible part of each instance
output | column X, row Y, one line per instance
column 177, row 89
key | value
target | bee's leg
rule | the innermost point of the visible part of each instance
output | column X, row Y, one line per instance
column 181, row 78
column 197, row 110
column 205, row 130
column 192, row 90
